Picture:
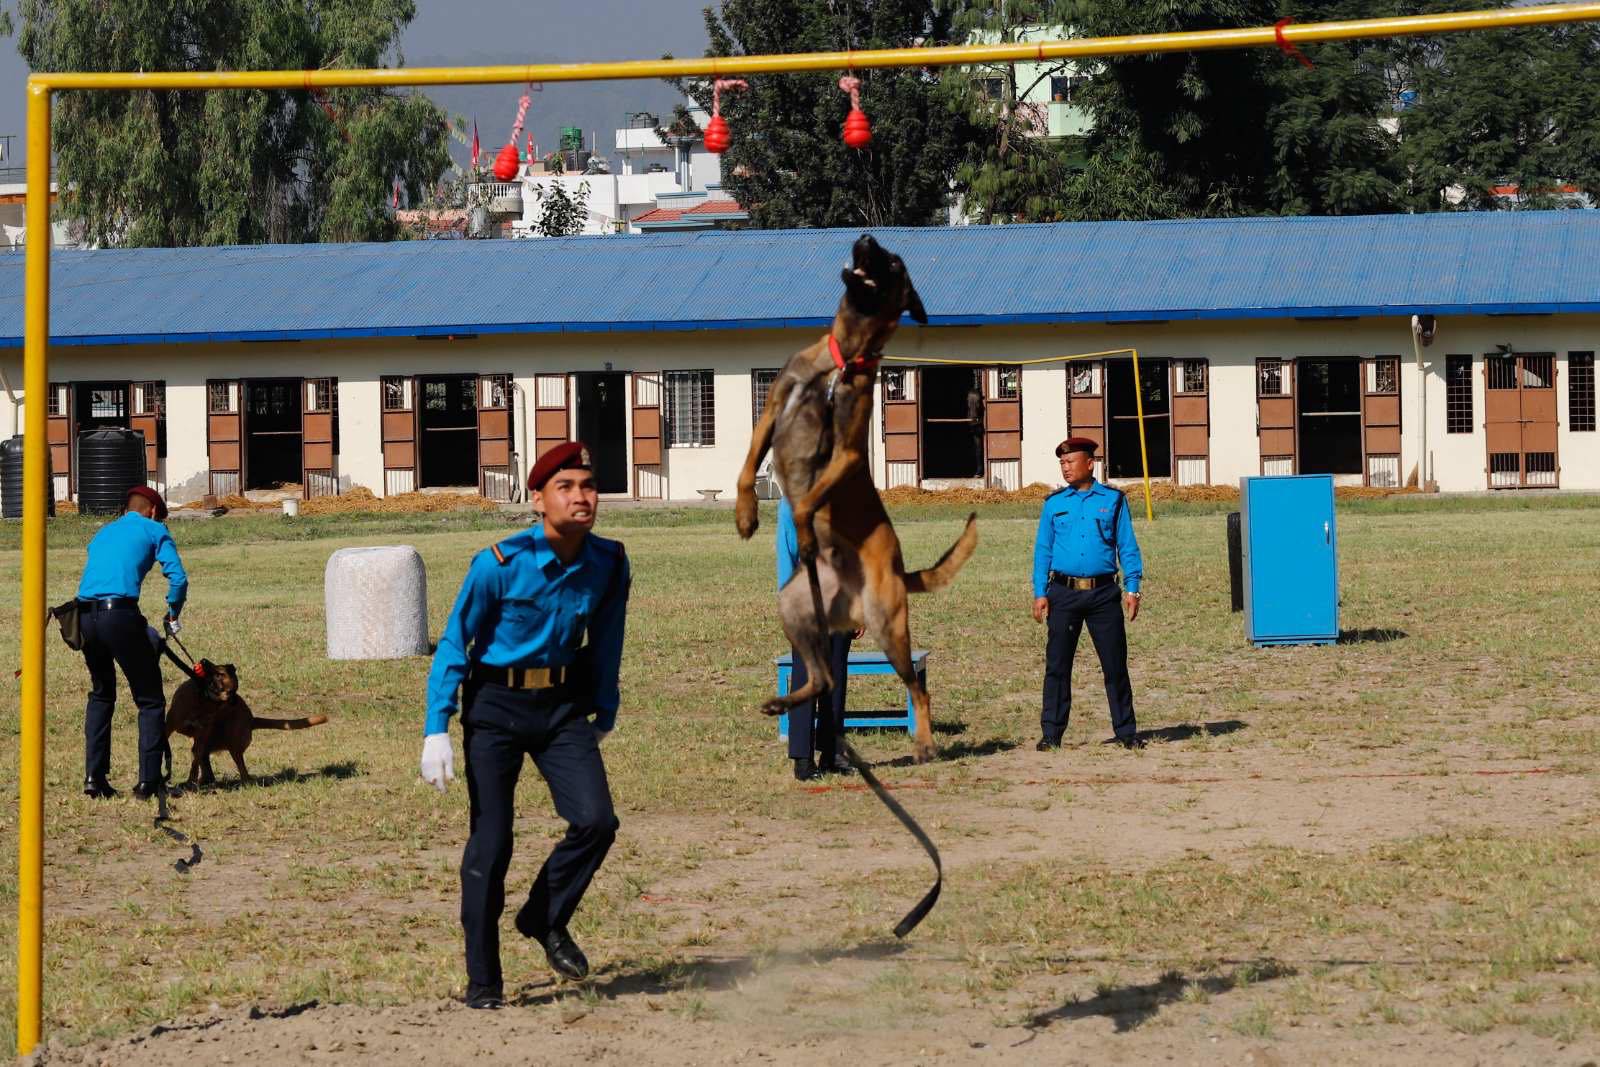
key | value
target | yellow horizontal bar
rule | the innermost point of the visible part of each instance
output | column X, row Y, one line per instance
column 1010, row 362
column 949, row 55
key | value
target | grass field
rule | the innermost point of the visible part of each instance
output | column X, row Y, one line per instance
column 1385, row 850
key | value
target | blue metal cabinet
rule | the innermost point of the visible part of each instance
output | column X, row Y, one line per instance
column 1290, row 553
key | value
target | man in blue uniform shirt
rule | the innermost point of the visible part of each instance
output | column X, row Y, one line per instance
column 1084, row 533
column 120, row 555
column 514, row 644
column 812, row 723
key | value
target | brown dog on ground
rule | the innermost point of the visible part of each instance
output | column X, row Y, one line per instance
column 209, row 709
column 816, row 423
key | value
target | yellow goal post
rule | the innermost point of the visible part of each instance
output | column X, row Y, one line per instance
column 36, row 272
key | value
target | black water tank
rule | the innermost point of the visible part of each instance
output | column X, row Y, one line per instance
column 110, row 462
column 1235, row 562
column 11, row 479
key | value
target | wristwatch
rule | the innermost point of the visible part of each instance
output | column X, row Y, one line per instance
column 1136, row 595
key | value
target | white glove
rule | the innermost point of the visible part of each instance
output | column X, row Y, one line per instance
column 438, row 763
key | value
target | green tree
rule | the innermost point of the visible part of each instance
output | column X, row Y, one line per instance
column 562, row 214
column 1331, row 126
column 1012, row 171
column 787, row 165
column 236, row 167
column 1507, row 107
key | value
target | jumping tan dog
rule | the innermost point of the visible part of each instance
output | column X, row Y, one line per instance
column 816, row 423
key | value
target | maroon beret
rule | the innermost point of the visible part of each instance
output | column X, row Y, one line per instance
column 1077, row 444
column 153, row 497
column 571, row 455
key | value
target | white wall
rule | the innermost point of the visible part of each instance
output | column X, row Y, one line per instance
column 1231, row 348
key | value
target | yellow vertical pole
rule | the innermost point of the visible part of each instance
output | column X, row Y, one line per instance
column 36, row 386
column 1144, row 454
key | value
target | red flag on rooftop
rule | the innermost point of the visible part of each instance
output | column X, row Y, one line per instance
column 474, row 142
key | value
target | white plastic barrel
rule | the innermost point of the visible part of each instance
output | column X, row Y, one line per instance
column 377, row 603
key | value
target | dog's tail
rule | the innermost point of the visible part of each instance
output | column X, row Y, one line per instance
column 288, row 724
column 943, row 573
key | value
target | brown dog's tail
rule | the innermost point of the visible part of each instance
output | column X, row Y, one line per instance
column 288, row 724
column 943, row 573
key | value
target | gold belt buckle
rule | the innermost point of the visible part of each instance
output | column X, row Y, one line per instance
column 537, row 677
column 1083, row 583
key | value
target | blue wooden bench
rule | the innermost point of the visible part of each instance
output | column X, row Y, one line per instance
column 861, row 663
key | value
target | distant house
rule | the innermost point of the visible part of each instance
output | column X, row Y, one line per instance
column 1265, row 346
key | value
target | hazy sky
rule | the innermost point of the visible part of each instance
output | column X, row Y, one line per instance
column 504, row 31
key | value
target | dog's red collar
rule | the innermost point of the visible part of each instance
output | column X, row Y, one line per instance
column 863, row 362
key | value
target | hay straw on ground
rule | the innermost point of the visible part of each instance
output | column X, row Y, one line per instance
column 358, row 499
column 1159, row 491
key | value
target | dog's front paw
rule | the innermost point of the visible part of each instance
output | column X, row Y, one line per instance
column 745, row 518
column 774, row 706
column 806, row 546
column 923, row 751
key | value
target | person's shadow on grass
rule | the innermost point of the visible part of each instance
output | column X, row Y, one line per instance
column 1187, row 731
column 1131, row 1006
column 1372, row 635
column 628, row 978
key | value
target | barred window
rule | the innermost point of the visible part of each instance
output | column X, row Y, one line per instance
column 894, row 384
column 109, row 403
column 57, row 400
column 149, row 398
column 396, row 393
column 1539, row 371
column 1502, row 371
column 1008, row 383
column 496, row 391
column 691, row 414
column 1086, row 379
column 1191, row 376
column 319, row 395
column 1383, row 375
column 222, row 398
column 1580, row 390
column 760, row 388
column 1270, row 379
column 1458, row 394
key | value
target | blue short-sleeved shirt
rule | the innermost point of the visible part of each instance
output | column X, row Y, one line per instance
column 520, row 606
column 1085, row 534
column 123, row 552
column 787, row 544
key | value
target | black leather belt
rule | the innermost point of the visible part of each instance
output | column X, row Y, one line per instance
column 1072, row 582
column 519, row 677
column 108, row 603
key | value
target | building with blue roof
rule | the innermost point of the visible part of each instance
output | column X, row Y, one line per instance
column 1264, row 345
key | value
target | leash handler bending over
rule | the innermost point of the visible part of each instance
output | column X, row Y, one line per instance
column 113, row 629
column 514, row 644
column 1084, row 533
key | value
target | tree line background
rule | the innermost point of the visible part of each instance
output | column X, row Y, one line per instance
column 1187, row 135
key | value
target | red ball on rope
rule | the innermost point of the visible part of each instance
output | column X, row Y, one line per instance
column 717, row 138
column 717, row 135
column 857, row 132
column 507, row 163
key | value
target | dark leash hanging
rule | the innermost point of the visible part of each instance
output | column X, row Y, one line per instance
column 931, row 897
column 163, row 814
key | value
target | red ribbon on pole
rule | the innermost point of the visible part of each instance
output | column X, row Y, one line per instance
column 1287, row 47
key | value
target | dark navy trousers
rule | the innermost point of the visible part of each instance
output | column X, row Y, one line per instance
column 818, row 724
column 500, row 727
column 112, row 639
column 1101, row 609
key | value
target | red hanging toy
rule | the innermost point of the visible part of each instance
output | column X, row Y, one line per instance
column 716, row 135
column 857, row 131
column 507, row 162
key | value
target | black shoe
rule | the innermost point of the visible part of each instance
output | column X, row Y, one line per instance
column 565, row 957
column 98, row 788
column 834, row 767
column 484, row 997
column 1131, row 741
column 804, row 769
column 1047, row 745
column 147, row 790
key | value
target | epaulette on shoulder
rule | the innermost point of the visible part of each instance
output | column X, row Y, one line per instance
column 504, row 550
column 1058, row 492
